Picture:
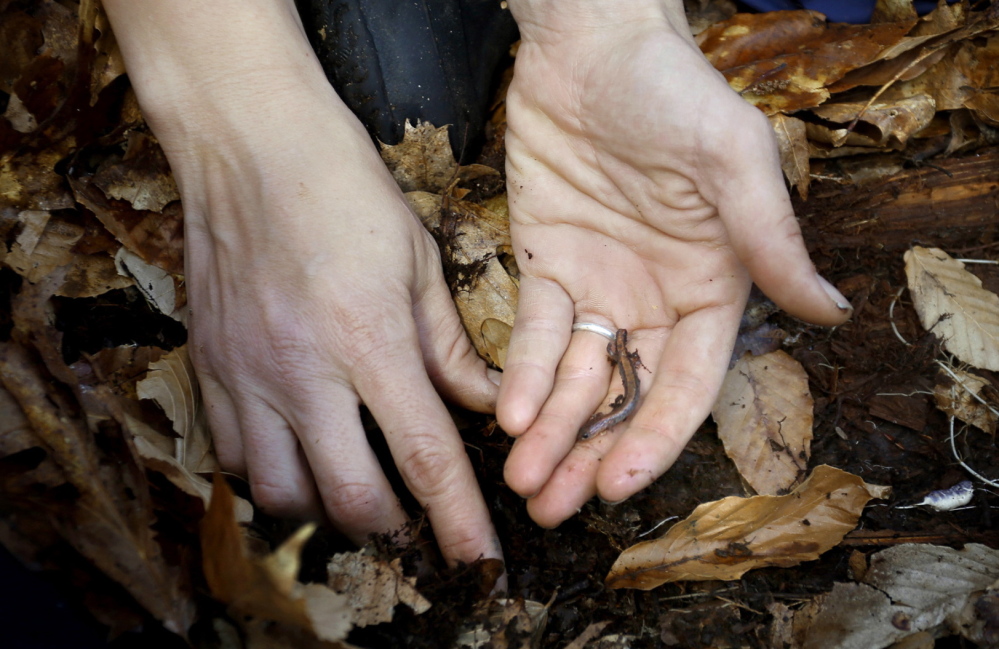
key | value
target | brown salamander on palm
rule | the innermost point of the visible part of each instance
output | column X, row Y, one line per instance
column 627, row 364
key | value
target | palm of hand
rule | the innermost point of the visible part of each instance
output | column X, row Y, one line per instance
column 628, row 199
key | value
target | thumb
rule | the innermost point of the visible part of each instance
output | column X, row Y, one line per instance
column 756, row 209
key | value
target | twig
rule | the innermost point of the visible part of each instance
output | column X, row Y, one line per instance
column 953, row 448
column 658, row 525
column 891, row 318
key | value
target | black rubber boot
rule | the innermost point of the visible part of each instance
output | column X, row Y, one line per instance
column 393, row 60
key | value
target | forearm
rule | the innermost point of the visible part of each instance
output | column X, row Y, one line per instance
column 217, row 69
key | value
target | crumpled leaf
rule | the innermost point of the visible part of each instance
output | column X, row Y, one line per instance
column 952, row 304
column 955, row 398
column 155, row 284
column 141, row 176
column 266, row 587
column 783, row 61
column 793, row 146
column 423, row 161
column 156, row 237
column 908, row 589
column 46, row 243
column 373, row 587
column 472, row 239
column 173, row 385
column 726, row 538
column 504, row 624
column 894, row 122
column 764, row 417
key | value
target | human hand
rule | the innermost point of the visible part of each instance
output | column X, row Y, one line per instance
column 644, row 194
column 312, row 286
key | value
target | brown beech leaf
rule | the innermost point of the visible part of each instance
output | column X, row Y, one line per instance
column 793, row 146
column 890, row 11
column 374, row 587
column 156, row 237
column 423, row 161
column 955, row 397
column 726, row 538
column 952, row 304
column 783, row 61
column 764, row 417
column 266, row 587
column 895, row 122
column 472, row 238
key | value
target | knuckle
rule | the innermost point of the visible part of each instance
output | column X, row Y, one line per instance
column 277, row 499
column 430, row 468
column 354, row 506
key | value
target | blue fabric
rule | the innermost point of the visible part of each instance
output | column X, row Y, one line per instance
column 838, row 11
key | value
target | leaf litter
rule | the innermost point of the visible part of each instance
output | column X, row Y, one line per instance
column 855, row 109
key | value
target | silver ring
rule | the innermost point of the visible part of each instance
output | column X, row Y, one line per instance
column 593, row 327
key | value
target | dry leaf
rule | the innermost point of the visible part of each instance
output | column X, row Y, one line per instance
column 764, row 416
column 423, row 161
column 373, row 587
column 471, row 237
column 952, row 304
column 173, row 385
column 266, row 587
column 793, row 146
column 155, row 284
column 955, row 398
column 726, row 538
column 504, row 624
column 895, row 122
column 142, row 176
column 908, row 589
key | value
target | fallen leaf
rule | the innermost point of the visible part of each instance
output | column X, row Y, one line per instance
column 908, row 589
column 726, row 538
column 155, row 284
column 701, row 14
column 156, row 237
column 173, row 385
column 952, row 304
column 471, row 237
column 764, row 417
column 954, row 397
column 895, row 122
column 504, row 624
column 888, row 11
column 593, row 630
column 793, row 146
column 423, row 161
column 141, row 176
column 373, row 587
column 266, row 587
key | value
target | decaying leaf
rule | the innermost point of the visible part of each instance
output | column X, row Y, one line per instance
column 155, row 284
column 894, row 122
column 504, row 624
column 423, row 161
column 955, row 397
column 266, row 587
column 764, row 416
column 726, row 538
column 908, row 589
column 46, row 243
column 952, row 304
column 471, row 237
column 793, row 146
column 373, row 587
column 141, row 176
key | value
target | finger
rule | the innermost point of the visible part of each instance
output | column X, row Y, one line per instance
column 354, row 490
column 224, row 424
column 685, row 387
column 540, row 335
column 280, row 480
column 755, row 206
column 427, row 449
column 580, row 386
column 571, row 485
column 451, row 362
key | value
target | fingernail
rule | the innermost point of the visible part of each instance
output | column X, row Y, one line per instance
column 494, row 376
column 841, row 302
column 616, row 502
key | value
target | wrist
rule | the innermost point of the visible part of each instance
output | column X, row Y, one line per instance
column 542, row 20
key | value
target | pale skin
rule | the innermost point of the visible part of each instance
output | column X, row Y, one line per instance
column 313, row 288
